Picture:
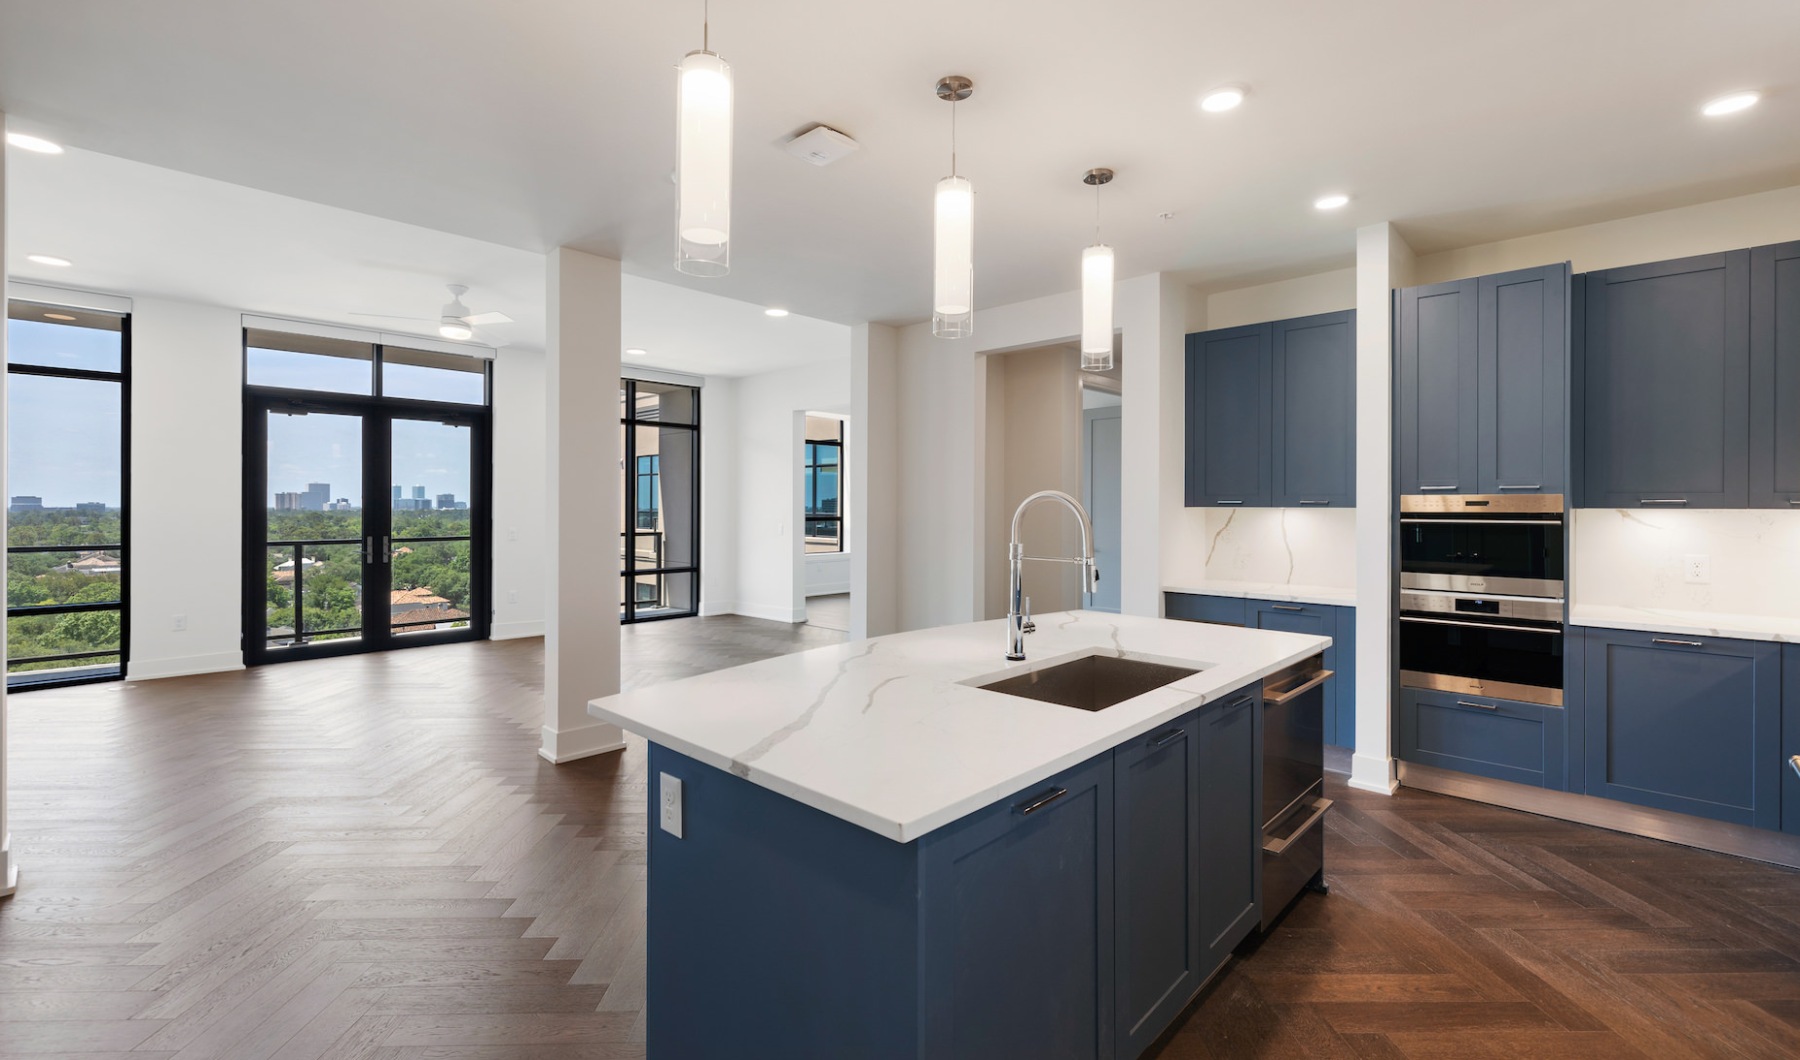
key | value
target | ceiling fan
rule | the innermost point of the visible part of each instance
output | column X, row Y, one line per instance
column 454, row 321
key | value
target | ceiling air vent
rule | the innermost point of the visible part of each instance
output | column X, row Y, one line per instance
column 821, row 145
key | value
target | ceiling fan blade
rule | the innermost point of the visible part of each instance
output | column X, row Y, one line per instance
column 482, row 319
column 390, row 316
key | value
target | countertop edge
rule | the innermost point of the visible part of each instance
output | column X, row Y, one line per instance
column 906, row 831
column 1696, row 624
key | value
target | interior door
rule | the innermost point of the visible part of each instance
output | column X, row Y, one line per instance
column 1103, row 466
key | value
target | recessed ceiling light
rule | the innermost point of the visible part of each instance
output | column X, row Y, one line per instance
column 58, row 316
column 1223, row 98
column 773, row 311
column 49, row 259
column 1731, row 104
column 1330, row 202
column 635, row 352
column 33, row 143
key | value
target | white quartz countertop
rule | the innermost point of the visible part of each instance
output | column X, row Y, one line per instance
column 1334, row 595
column 890, row 734
column 1783, row 629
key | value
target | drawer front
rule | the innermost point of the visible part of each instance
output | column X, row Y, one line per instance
column 1223, row 610
column 1498, row 738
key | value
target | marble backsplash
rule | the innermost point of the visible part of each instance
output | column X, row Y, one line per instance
column 1286, row 546
column 1635, row 558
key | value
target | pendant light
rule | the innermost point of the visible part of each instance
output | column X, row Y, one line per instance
column 703, row 107
column 953, row 290
column 1097, row 290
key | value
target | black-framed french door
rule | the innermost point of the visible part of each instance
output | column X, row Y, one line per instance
column 659, row 543
column 366, row 557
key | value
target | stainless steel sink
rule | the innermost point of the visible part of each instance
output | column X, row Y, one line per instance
column 1092, row 682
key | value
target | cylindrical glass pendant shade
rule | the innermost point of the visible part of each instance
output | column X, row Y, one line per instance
column 1097, row 308
column 953, row 295
column 703, row 165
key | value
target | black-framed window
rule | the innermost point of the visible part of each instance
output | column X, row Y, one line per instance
column 823, row 478
column 367, row 478
column 68, row 472
column 659, row 549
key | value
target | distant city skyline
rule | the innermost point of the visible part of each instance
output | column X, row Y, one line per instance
column 323, row 448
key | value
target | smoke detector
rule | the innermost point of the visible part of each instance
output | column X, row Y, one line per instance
column 821, row 145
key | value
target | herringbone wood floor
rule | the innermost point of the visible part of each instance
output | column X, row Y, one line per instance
column 365, row 857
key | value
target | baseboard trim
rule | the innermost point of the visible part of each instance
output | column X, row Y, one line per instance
column 833, row 589
column 1373, row 773
column 516, row 630
column 773, row 614
column 568, row 745
column 9, row 872
column 708, row 609
column 1757, row 844
column 157, row 669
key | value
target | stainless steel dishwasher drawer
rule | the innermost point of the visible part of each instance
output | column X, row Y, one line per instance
column 1293, row 855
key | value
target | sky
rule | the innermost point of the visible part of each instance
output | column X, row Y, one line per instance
column 319, row 447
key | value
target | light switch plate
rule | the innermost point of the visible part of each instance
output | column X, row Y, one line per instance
column 1696, row 569
column 669, row 789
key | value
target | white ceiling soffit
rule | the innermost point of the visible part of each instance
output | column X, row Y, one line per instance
column 152, row 232
column 534, row 125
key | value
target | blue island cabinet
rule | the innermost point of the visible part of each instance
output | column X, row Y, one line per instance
column 1074, row 919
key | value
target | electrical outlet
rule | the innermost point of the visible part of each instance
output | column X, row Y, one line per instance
column 1696, row 569
column 178, row 623
column 512, row 597
column 512, row 533
column 670, row 817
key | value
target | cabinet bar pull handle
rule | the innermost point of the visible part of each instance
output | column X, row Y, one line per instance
column 1241, row 701
column 1315, row 502
column 1792, row 501
column 1231, row 502
column 1533, row 486
column 1276, row 699
column 1681, row 643
column 1167, row 738
column 1478, row 706
column 1027, row 808
column 1662, row 500
column 1277, row 847
column 1427, row 489
column 1288, row 607
column 1557, row 630
column 1795, row 762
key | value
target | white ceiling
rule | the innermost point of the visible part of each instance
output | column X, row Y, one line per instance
column 532, row 125
column 145, row 231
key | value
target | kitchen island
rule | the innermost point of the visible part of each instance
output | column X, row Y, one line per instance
column 860, row 851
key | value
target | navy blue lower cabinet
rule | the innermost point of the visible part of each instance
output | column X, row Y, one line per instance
column 1340, row 707
column 1498, row 738
column 1230, row 823
column 1318, row 620
column 1790, row 739
column 1016, row 925
column 1192, row 607
column 1683, row 723
column 1156, row 871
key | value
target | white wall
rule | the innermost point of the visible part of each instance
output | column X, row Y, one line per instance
column 519, row 499
column 1324, row 292
column 827, row 573
column 770, row 428
column 718, row 496
column 875, row 468
column 187, row 488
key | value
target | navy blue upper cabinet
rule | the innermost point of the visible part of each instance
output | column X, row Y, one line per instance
column 1690, row 724
column 1666, row 384
column 1775, row 376
column 1230, row 823
column 1230, row 398
column 1017, row 925
column 1156, row 851
column 1523, row 363
column 1437, row 356
column 1315, row 411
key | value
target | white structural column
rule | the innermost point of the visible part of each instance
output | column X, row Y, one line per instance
column 1383, row 262
column 9, row 871
column 874, row 481
column 582, row 513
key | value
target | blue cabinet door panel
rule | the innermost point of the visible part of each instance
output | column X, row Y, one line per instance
column 1666, row 389
column 1224, row 610
column 1156, row 851
column 1789, row 758
column 1498, row 738
column 1314, row 453
column 1340, row 721
column 1314, row 620
column 1016, row 925
column 1437, row 378
column 1685, row 724
column 1230, row 393
column 1775, row 376
column 1230, row 823
column 1524, row 370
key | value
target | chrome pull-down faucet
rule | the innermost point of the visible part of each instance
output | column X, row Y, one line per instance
column 1018, row 614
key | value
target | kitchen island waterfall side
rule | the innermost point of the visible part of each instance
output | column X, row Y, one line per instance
column 879, row 858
